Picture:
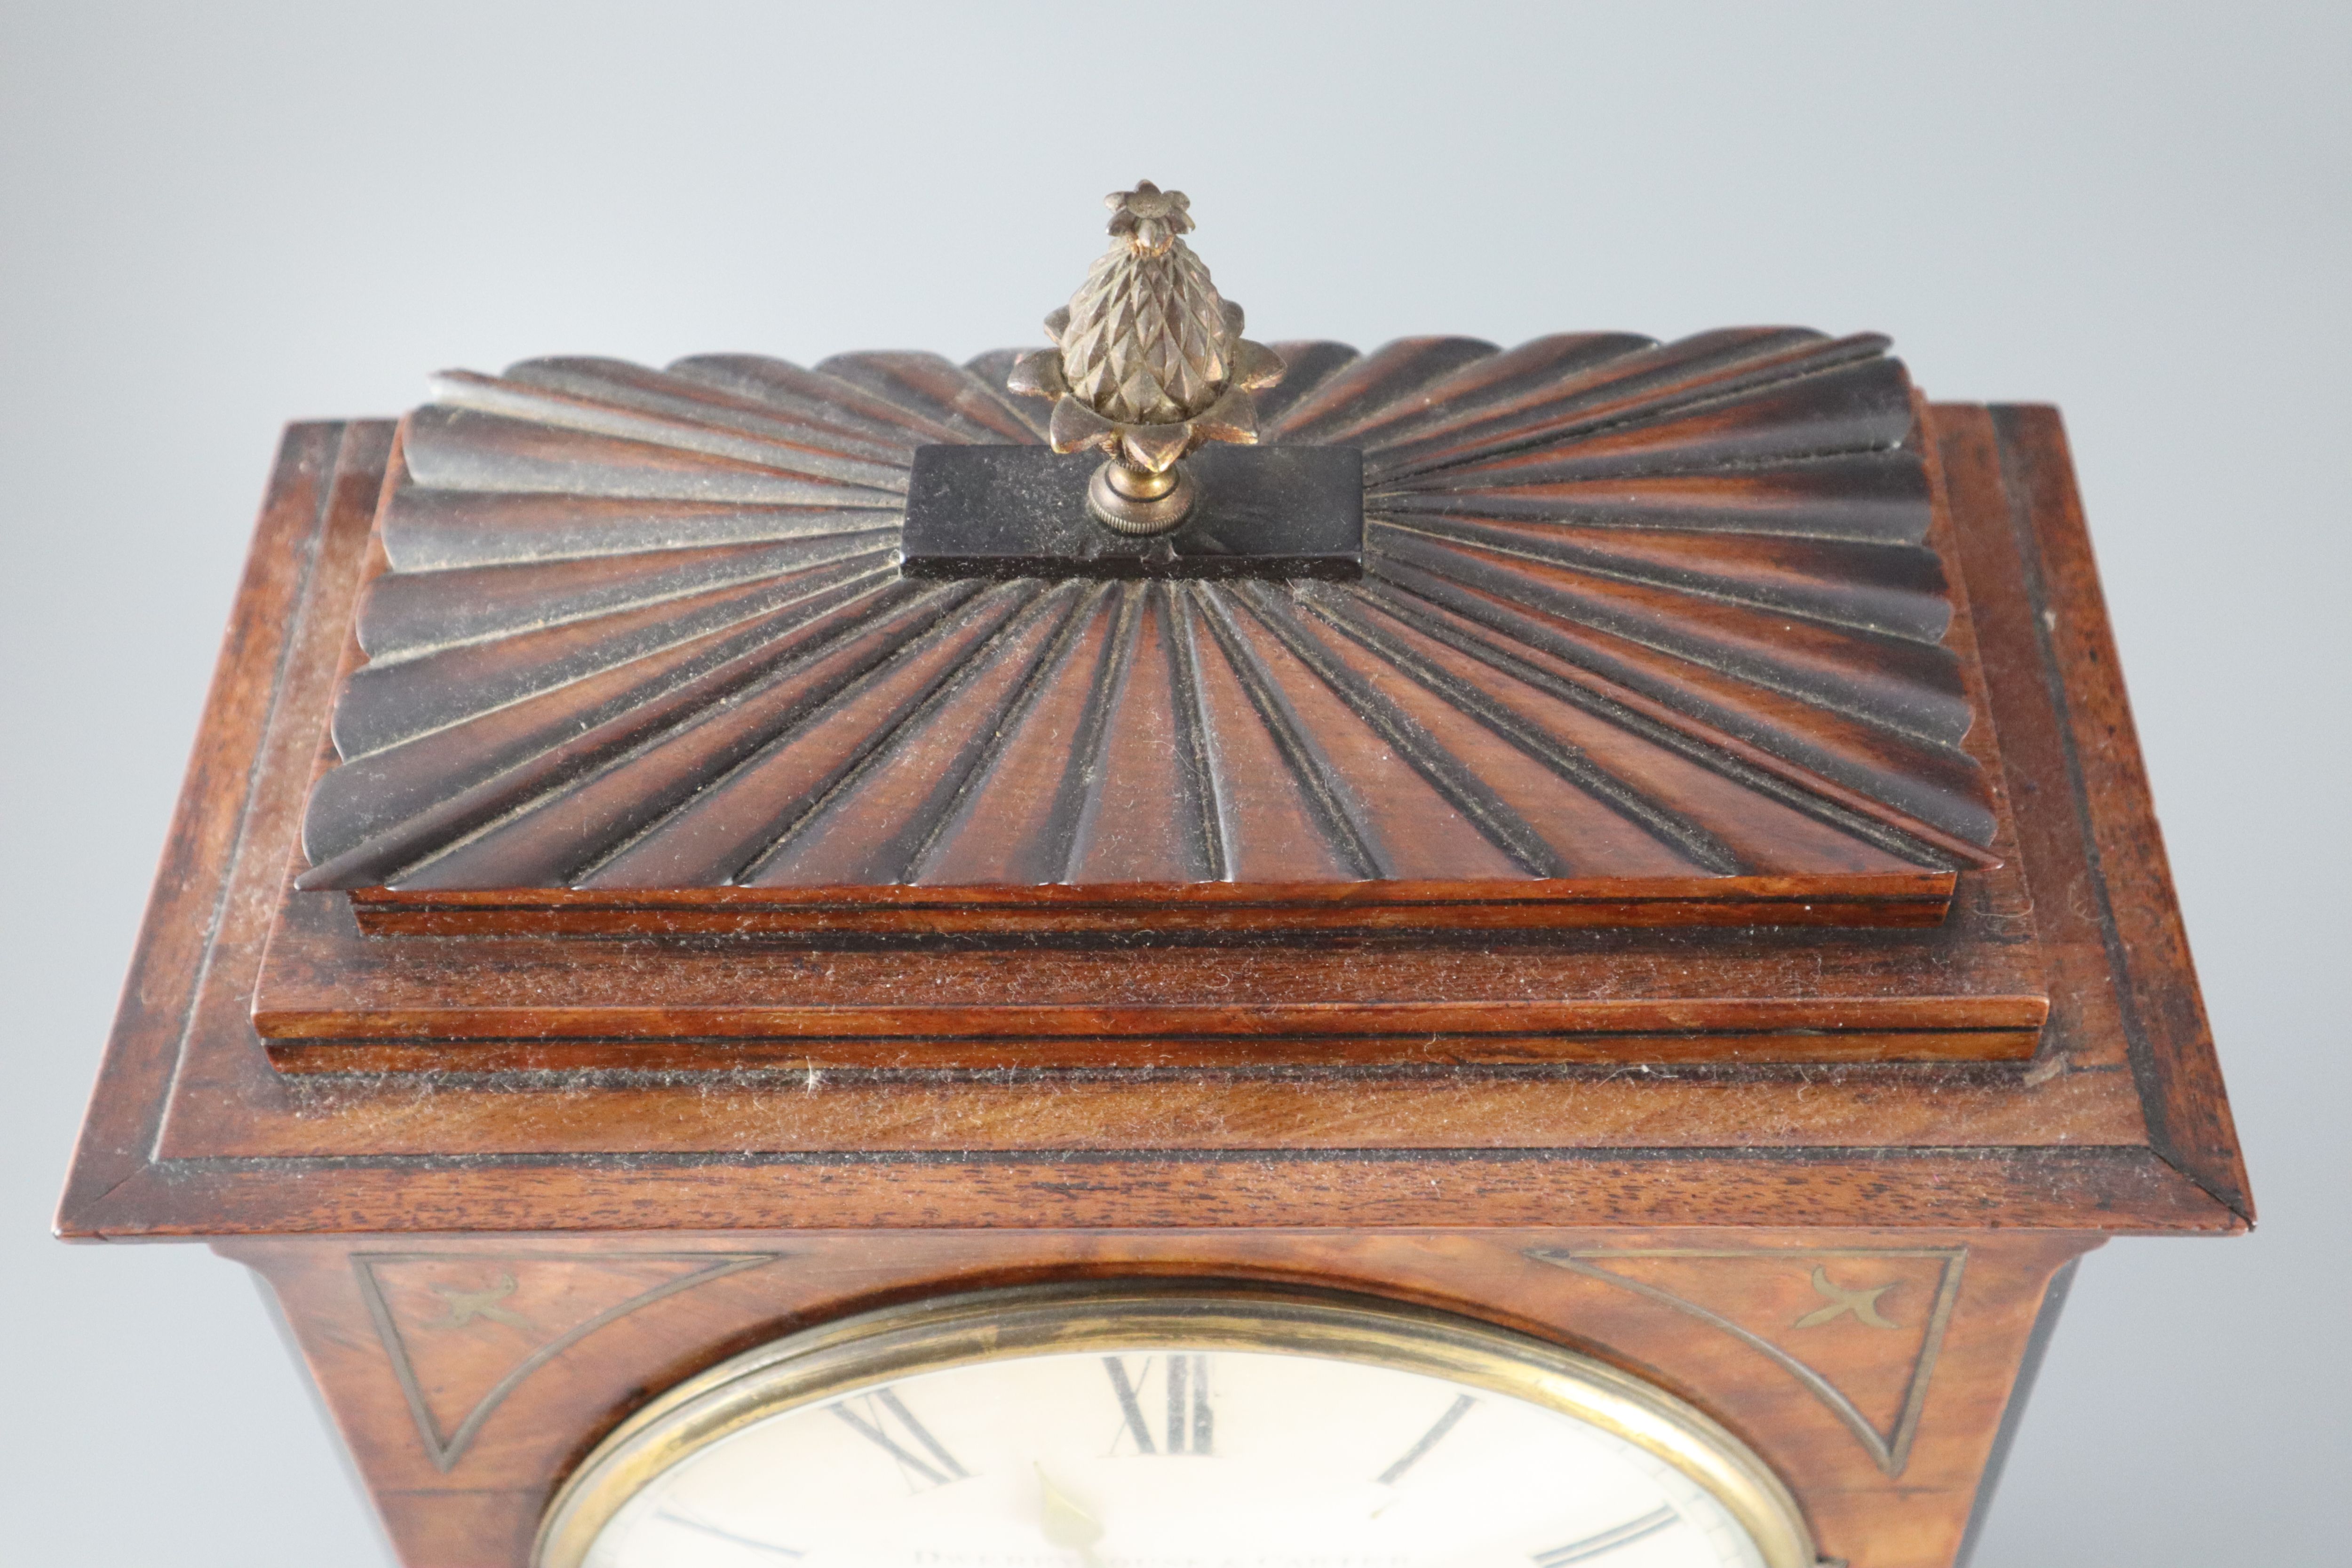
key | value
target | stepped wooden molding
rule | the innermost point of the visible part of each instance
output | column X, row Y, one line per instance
column 1647, row 634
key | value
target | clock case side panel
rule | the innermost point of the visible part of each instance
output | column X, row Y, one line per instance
column 469, row 1375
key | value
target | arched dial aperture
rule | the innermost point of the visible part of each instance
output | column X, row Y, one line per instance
column 1091, row 1429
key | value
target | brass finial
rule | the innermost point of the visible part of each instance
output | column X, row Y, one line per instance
column 1147, row 364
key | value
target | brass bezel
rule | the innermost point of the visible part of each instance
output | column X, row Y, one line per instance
column 963, row 1329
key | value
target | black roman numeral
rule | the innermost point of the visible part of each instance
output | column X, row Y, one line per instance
column 874, row 1415
column 1131, row 1402
column 1608, row 1541
column 1428, row 1439
column 1184, row 1381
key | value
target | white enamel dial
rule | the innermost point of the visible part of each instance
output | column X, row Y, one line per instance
column 1157, row 1452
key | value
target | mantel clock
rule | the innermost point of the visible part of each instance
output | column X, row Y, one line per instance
column 1170, row 949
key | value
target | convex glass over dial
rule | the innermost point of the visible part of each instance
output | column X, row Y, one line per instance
column 1126, row 1427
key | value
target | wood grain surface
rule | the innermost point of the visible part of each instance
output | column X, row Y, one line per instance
column 519, row 1182
column 2116, row 1123
column 1129, row 973
column 470, row 1375
column 1651, row 635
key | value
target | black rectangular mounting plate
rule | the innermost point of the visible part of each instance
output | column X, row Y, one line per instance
column 1021, row 511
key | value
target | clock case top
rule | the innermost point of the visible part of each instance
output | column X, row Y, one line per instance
column 1644, row 638
column 1636, row 634
column 1627, row 1077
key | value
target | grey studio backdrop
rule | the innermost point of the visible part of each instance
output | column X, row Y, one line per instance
column 216, row 218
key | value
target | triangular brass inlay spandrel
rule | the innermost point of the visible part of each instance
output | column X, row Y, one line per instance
column 1782, row 1303
column 463, row 1329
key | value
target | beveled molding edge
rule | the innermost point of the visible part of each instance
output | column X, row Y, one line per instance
column 1175, row 914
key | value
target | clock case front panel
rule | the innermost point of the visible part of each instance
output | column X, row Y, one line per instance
column 1875, row 1373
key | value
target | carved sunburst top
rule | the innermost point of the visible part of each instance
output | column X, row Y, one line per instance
column 1631, row 613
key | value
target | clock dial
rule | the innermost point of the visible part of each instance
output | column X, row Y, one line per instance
column 1156, row 1451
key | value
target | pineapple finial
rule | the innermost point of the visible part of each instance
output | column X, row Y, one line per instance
column 1149, row 363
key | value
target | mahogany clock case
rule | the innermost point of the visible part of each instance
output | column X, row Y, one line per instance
column 1845, row 1260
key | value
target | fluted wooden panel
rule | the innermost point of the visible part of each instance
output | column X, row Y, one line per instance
column 1634, row 612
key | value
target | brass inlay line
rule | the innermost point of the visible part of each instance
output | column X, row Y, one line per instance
column 445, row 1449
column 1891, row 1450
